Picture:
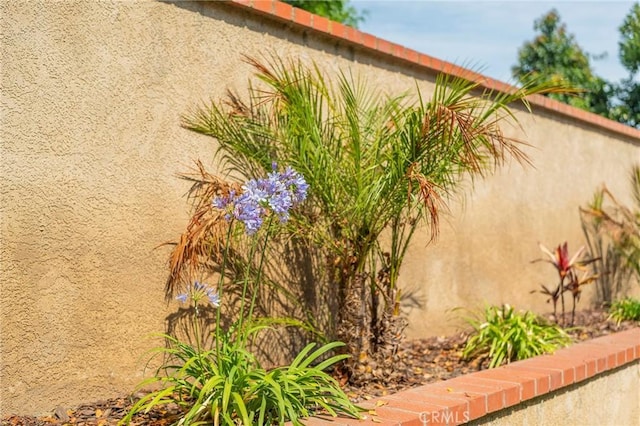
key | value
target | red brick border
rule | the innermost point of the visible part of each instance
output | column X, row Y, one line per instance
column 308, row 21
column 475, row 395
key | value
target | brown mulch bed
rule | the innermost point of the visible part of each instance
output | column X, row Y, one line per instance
column 417, row 362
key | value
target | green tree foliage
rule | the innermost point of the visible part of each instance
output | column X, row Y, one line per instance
column 336, row 10
column 630, row 40
column 627, row 110
column 628, row 91
column 555, row 56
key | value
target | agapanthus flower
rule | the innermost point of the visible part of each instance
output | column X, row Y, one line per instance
column 221, row 202
column 277, row 194
column 214, row 298
column 281, row 201
column 248, row 212
column 224, row 203
column 295, row 182
column 197, row 291
column 198, row 286
column 255, row 191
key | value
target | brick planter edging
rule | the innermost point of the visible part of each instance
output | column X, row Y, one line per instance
column 472, row 396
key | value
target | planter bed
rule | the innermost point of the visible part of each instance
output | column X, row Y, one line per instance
column 476, row 395
column 434, row 386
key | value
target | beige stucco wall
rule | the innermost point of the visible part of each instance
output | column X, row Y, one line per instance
column 612, row 399
column 92, row 94
column 485, row 251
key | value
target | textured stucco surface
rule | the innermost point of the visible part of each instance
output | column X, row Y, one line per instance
column 611, row 399
column 92, row 94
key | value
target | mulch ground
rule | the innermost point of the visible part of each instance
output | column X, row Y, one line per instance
column 416, row 362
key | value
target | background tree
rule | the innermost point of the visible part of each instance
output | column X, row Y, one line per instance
column 336, row 10
column 555, row 56
column 628, row 91
column 630, row 40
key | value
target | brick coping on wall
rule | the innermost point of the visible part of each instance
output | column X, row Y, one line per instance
column 474, row 395
column 317, row 24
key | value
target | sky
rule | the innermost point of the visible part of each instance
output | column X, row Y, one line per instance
column 486, row 35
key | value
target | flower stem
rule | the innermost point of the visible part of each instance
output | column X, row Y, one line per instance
column 221, row 286
column 260, row 265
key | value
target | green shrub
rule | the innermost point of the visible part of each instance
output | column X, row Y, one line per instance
column 504, row 335
column 627, row 309
column 232, row 388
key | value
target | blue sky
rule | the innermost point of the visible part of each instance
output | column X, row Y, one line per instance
column 486, row 35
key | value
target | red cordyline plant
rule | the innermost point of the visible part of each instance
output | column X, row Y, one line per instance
column 568, row 268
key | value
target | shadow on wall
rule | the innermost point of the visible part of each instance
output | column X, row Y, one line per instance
column 303, row 298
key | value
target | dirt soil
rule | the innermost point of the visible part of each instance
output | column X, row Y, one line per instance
column 416, row 362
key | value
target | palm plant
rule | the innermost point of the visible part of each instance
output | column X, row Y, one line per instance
column 374, row 163
column 612, row 231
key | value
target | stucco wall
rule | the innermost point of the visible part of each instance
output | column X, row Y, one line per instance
column 485, row 251
column 92, row 94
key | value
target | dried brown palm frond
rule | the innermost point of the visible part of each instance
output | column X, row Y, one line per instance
column 430, row 196
column 204, row 237
column 478, row 138
column 202, row 240
column 206, row 186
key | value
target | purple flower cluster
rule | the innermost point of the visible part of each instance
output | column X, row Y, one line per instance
column 277, row 193
column 197, row 291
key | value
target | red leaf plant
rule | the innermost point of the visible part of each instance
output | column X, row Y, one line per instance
column 567, row 267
